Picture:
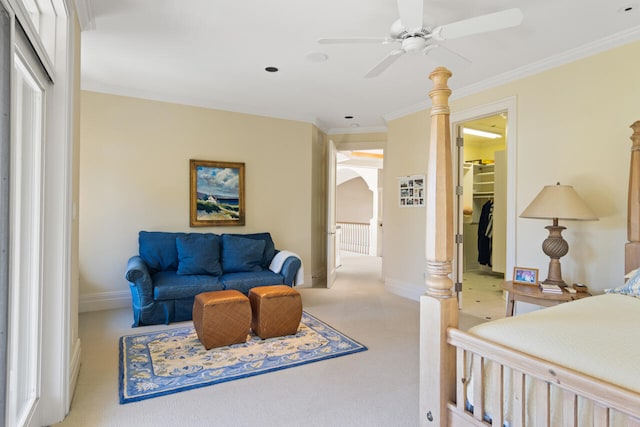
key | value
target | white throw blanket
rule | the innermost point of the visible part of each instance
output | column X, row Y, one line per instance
column 278, row 261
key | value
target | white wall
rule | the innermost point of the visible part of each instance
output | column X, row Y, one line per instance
column 134, row 176
column 572, row 127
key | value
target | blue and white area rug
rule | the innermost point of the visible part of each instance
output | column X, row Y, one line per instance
column 164, row 362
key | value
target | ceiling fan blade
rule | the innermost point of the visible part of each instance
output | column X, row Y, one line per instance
column 411, row 14
column 449, row 51
column 385, row 63
column 479, row 24
column 354, row 40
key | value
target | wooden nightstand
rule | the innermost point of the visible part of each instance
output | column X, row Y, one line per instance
column 533, row 295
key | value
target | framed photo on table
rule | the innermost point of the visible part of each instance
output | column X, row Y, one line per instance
column 216, row 193
column 525, row 276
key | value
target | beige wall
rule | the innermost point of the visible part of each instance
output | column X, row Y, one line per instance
column 482, row 150
column 572, row 127
column 403, row 247
column 354, row 201
column 135, row 176
column 354, row 141
column 318, row 194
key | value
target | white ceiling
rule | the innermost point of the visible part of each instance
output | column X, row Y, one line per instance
column 213, row 53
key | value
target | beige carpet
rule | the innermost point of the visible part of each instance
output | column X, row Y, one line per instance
column 378, row 387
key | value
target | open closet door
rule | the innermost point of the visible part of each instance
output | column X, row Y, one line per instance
column 500, row 214
column 460, row 206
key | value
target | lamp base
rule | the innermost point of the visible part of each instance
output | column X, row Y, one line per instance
column 555, row 247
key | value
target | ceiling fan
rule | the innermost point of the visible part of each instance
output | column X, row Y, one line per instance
column 412, row 35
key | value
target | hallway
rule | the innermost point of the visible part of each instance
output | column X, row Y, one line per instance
column 482, row 297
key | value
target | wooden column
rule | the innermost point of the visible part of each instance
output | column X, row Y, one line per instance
column 438, row 308
column 632, row 248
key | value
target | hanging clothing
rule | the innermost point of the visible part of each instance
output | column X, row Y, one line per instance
column 485, row 234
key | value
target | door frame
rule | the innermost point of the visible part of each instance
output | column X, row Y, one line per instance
column 335, row 146
column 508, row 105
column 331, row 212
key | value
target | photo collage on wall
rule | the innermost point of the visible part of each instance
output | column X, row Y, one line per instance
column 412, row 192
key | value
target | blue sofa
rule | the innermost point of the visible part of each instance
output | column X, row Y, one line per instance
column 172, row 268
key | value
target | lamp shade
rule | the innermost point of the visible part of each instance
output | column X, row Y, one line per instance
column 558, row 201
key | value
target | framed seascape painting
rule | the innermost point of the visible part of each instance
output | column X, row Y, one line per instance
column 216, row 193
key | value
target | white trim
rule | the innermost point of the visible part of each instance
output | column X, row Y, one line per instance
column 510, row 106
column 404, row 289
column 358, row 130
column 104, row 301
column 86, row 16
column 74, row 366
column 22, row 15
column 581, row 52
column 27, row 256
column 195, row 102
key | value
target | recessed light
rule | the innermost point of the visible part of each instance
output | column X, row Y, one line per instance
column 354, row 125
column 348, row 117
column 271, row 69
column 628, row 8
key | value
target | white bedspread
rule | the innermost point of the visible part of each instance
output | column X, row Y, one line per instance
column 598, row 336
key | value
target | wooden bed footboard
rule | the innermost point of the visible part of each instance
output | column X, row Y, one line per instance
column 533, row 381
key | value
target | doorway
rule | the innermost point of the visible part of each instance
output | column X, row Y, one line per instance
column 358, row 192
column 484, row 207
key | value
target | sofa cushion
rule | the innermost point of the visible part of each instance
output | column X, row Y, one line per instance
column 158, row 249
column 269, row 246
column 241, row 254
column 243, row 282
column 198, row 254
column 168, row 285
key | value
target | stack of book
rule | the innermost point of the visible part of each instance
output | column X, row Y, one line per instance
column 550, row 289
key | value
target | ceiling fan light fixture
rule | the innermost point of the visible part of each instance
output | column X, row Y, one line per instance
column 413, row 44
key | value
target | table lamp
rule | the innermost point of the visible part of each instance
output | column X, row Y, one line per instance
column 557, row 202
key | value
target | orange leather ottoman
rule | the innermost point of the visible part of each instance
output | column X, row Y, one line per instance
column 276, row 310
column 221, row 318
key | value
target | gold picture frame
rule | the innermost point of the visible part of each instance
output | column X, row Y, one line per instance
column 216, row 193
column 525, row 276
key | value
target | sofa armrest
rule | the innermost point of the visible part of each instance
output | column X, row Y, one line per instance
column 290, row 269
column 140, row 282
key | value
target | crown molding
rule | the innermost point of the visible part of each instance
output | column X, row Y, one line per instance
column 581, row 52
column 357, row 130
column 85, row 15
column 193, row 102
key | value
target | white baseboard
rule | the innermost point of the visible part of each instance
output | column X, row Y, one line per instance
column 404, row 289
column 75, row 370
column 104, row 301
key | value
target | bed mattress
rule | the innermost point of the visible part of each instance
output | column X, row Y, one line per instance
column 597, row 336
